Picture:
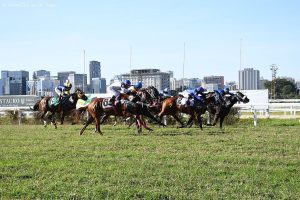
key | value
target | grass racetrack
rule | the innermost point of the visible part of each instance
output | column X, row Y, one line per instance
column 241, row 162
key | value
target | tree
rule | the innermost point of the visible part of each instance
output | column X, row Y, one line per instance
column 284, row 89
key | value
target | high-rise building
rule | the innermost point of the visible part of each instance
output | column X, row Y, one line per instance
column 78, row 81
column 95, row 70
column 214, row 80
column 41, row 73
column 98, row 85
column 1, row 87
column 149, row 77
column 249, row 79
column 42, row 86
column 63, row 76
column 14, row 82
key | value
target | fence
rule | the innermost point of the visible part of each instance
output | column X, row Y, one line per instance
column 287, row 108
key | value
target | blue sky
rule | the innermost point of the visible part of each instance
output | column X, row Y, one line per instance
column 51, row 35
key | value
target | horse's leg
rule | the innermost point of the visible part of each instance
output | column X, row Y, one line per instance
column 62, row 117
column 190, row 121
column 130, row 123
column 221, row 121
column 143, row 123
column 138, row 124
column 199, row 121
column 216, row 117
column 147, row 113
column 178, row 120
column 90, row 120
column 53, row 120
column 104, row 118
column 43, row 120
column 97, row 124
column 96, row 117
column 115, row 121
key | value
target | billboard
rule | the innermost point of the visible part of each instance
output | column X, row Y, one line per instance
column 18, row 100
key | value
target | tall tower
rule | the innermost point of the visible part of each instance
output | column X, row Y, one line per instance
column 274, row 69
column 249, row 79
column 95, row 70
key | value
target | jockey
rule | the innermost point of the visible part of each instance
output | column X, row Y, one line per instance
column 220, row 94
column 135, row 88
column 117, row 88
column 166, row 92
column 225, row 91
column 200, row 90
column 194, row 93
column 63, row 90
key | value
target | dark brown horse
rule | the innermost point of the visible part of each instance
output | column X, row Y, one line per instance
column 47, row 109
column 221, row 111
column 102, row 108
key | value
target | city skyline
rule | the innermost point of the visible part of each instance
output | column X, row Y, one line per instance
column 124, row 35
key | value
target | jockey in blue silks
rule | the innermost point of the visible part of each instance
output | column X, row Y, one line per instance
column 63, row 90
column 220, row 95
column 225, row 91
column 195, row 94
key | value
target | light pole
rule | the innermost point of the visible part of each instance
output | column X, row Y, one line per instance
column 274, row 69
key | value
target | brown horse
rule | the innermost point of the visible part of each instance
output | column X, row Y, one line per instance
column 47, row 109
column 172, row 105
column 101, row 108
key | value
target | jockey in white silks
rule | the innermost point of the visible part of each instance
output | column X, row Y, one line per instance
column 117, row 88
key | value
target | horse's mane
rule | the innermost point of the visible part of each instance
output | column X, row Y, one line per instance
column 153, row 91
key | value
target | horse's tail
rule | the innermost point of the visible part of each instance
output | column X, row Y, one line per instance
column 36, row 106
column 81, row 109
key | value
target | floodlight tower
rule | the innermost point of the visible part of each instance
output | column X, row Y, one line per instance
column 274, row 69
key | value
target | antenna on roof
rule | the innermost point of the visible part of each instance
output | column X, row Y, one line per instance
column 130, row 61
column 183, row 63
column 241, row 40
column 83, row 69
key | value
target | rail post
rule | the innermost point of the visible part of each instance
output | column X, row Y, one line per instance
column 254, row 116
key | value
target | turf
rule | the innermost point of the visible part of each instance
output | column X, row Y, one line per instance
column 240, row 162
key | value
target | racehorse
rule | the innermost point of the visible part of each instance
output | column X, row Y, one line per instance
column 46, row 106
column 146, row 98
column 171, row 105
column 221, row 111
column 103, row 107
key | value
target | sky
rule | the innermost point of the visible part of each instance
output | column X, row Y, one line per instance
column 133, row 34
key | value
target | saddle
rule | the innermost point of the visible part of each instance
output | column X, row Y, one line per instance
column 54, row 101
column 183, row 101
column 108, row 102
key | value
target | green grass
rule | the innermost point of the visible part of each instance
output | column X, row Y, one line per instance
column 242, row 162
